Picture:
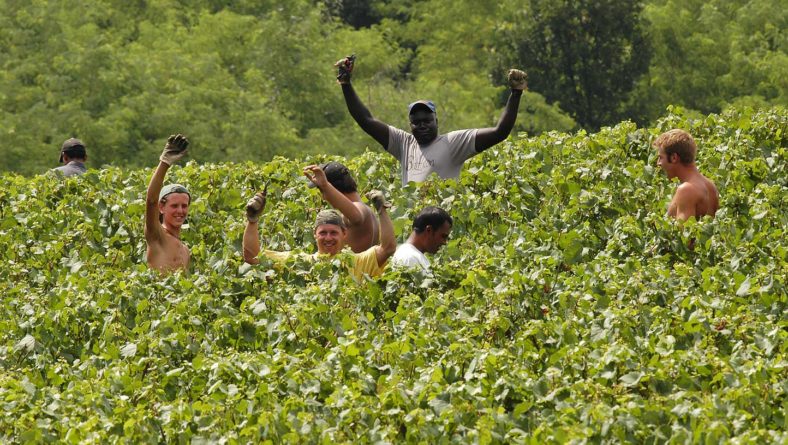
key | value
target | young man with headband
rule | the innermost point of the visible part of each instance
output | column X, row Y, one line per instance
column 166, row 209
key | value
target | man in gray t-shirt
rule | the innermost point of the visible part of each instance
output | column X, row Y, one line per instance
column 73, row 157
column 423, row 150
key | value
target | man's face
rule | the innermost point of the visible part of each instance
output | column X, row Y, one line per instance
column 175, row 209
column 423, row 126
column 665, row 163
column 437, row 238
column 330, row 238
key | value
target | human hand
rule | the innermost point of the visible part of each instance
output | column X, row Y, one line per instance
column 255, row 206
column 345, row 68
column 517, row 79
column 175, row 149
column 378, row 200
column 316, row 175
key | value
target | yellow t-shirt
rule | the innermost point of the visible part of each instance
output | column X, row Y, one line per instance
column 362, row 263
column 366, row 262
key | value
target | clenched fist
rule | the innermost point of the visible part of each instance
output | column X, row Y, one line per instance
column 517, row 79
column 345, row 68
column 175, row 150
column 255, row 206
column 378, row 200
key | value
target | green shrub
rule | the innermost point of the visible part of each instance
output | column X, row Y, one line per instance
column 566, row 306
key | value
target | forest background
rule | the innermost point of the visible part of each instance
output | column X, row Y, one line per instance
column 248, row 80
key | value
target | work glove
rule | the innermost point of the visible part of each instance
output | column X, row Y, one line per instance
column 378, row 200
column 255, row 206
column 517, row 79
column 176, row 148
column 345, row 68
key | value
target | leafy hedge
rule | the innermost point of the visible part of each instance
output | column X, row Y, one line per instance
column 566, row 307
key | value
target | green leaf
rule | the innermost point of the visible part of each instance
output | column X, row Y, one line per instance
column 27, row 343
column 744, row 288
column 631, row 379
column 129, row 350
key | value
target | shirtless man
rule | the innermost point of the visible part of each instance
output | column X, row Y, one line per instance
column 165, row 211
column 696, row 195
column 339, row 189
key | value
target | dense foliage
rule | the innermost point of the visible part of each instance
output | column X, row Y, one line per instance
column 710, row 54
column 253, row 79
column 566, row 307
column 585, row 55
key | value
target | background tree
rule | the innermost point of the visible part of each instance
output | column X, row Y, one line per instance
column 451, row 50
column 585, row 55
column 251, row 79
column 356, row 13
column 710, row 54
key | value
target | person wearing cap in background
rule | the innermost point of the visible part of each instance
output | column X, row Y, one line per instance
column 339, row 189
column 431, row 229
column 330, row 234
column 423, row 150
column 73, row 157
column 166, row 209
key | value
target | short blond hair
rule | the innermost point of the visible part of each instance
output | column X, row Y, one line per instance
column 680, row 142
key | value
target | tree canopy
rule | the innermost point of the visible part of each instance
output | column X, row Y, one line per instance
column 249, row 80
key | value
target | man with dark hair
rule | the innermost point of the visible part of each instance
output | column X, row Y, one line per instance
column 339, row 189
column 696, row 195
column 73, row 157
column 330, row 235
column 423, row 151
column 166, row 209
column 431, row 229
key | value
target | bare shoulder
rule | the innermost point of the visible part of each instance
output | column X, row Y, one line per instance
column 365, row 210
column 689, row 191
column 711, row 186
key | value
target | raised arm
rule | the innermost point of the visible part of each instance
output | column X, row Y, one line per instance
column 251, row 240
column 373, row 127
column 487, row 137
column 153, row 229
column 388, row 244
column 334, row 197
column 175, row 149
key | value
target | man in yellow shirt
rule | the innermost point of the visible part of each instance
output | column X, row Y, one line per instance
column 330, row 235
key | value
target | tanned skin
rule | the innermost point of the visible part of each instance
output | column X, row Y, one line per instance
column 166, row 253
column 363, row 229
column 431, row 239
column 696, row 196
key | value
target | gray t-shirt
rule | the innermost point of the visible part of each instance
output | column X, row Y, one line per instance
column 444, row 156
column 72, row 168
